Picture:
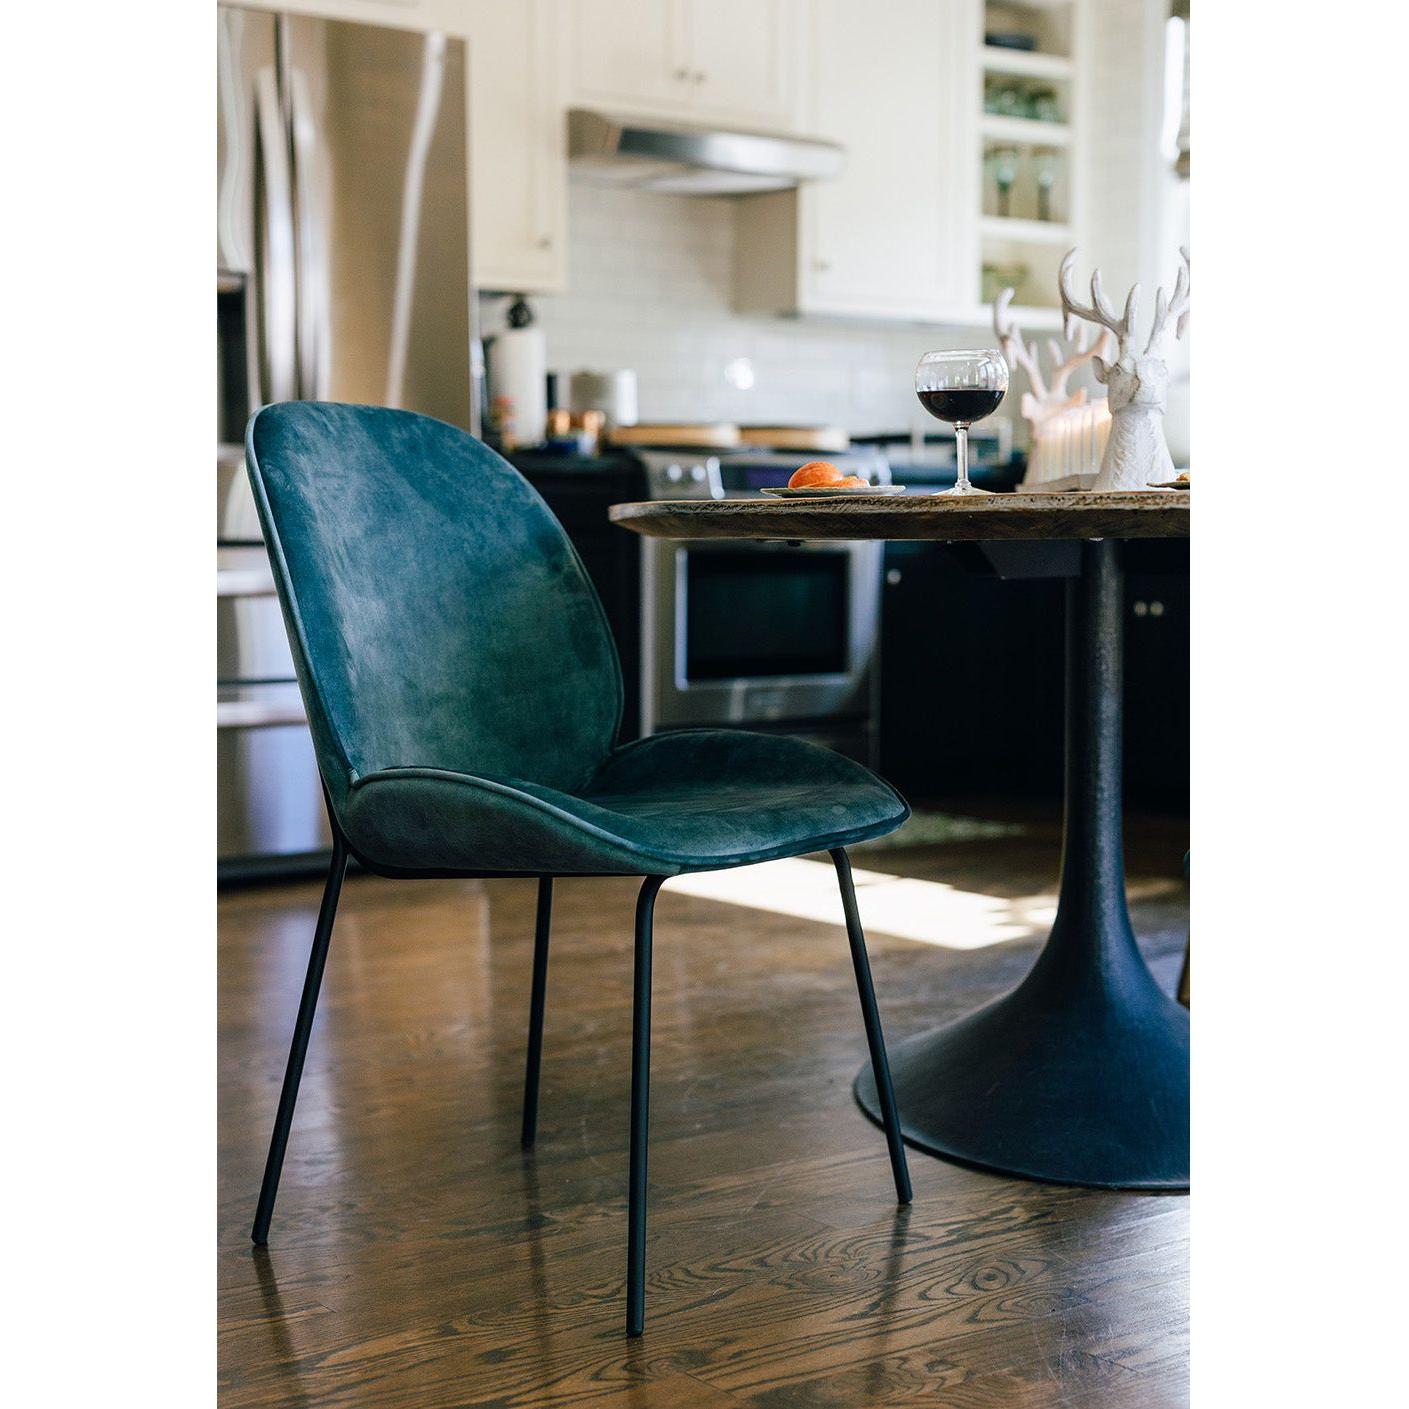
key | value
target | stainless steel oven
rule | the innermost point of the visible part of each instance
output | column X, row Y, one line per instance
column 745, row 633
column 758, row 635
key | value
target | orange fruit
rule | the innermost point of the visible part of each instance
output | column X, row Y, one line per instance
column 814, row 472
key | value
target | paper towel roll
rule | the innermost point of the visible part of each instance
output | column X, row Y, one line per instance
column 518, row 370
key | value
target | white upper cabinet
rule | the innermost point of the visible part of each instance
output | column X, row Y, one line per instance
column 742, row 59
column 889, row 237
column 882, row 237
column 630, row 53
column 728, row 61
column 518, row 156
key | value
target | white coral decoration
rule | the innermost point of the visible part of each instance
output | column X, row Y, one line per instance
column 1137, row 384
column 1046, row 397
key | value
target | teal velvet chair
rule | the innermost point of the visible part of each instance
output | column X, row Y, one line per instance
column 464, row 698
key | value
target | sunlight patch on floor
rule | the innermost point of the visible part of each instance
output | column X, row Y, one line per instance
column 930, row 912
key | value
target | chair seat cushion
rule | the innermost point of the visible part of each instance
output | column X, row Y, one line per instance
column 696, row 800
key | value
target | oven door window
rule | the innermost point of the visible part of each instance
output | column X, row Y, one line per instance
column 754, row 614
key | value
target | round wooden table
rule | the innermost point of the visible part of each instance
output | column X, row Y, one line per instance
column 1081, row 1074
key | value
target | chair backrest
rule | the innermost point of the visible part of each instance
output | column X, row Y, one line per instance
column 438, row 614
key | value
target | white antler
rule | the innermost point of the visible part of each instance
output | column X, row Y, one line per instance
column 1099, row 311
column 1085, row 352
column 1177, row 307
column 1010, row 338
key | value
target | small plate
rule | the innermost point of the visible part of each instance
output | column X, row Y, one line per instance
column 1171, row 484
column 831, row 491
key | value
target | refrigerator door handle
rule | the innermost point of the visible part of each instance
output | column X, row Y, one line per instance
column 412, row 199
column 231, row 243
column 275, row 239
column 314, row 295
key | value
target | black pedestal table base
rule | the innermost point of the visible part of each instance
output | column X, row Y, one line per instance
column 1082, row 1094
column 1081, row 1074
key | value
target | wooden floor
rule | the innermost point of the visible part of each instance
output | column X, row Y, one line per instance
column 417, row 1257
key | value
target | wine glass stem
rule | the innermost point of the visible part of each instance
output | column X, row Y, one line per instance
column 961, row 440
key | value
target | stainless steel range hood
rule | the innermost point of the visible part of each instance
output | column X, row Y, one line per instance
column 651, row 155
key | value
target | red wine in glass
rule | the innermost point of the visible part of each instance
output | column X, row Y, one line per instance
column 965, row 404
column 961, row 387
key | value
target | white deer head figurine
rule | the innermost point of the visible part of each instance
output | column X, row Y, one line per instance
column 1046, row 398
column 1137, row 383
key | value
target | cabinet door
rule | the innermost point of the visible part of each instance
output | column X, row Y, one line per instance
column 1157, row 689
column 988, row 663
column 630, row 54
column 886, row 82
column 518, row 159
column 741, row 60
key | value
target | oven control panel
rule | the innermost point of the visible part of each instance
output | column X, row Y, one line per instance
column 682, row 474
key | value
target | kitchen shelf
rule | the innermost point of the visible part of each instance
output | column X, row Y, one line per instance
column 1026, row 130
column 1025, row 63
column 1018, row 248
column 1028, row 232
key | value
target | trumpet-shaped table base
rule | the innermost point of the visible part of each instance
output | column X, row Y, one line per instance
column 1081, row 1074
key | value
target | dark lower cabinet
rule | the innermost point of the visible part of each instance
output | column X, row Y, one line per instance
column 972, row 670
column 1157, row 689
column 971, row 677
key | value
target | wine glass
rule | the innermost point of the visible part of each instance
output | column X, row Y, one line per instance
column 962, row 387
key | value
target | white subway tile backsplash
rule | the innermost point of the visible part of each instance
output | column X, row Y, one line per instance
column 651, row 287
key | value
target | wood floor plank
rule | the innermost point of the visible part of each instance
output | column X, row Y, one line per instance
column 418, row 1257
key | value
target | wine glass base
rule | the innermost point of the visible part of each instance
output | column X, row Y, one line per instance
column 964, row 492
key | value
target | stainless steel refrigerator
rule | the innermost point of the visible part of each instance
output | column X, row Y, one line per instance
column 343, row 274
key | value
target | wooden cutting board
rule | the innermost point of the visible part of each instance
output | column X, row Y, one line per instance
column 799, row 438
column 718, row 435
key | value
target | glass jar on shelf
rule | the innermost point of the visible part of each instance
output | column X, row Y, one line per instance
column 1002, row 165
column 1003, row 97
column 994, row 278
column 1043, row 105
column 1046, row 170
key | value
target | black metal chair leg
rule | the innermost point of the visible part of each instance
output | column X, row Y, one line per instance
column 640, row 1095
column 299, row 1049
column 875, row 1039
column 535, row 1010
